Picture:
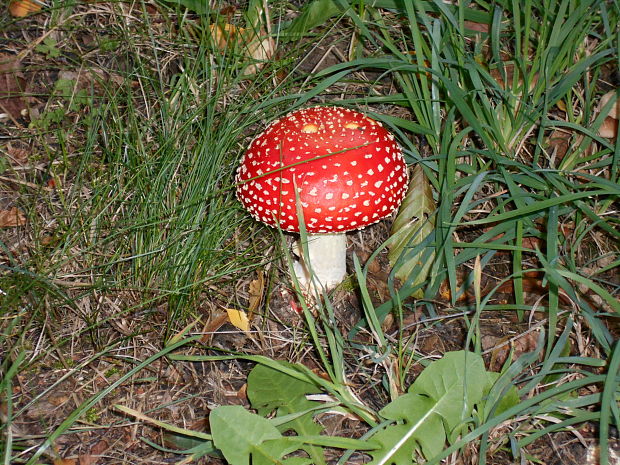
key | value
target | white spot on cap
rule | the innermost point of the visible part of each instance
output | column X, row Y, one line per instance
column 329, row 195
column 345, row 196
column 370, row 172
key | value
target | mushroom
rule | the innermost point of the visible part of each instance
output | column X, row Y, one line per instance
column 339, row 169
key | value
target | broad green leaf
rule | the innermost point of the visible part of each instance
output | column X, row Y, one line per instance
column 412, row 225
column 279, row 448
column 240, row 434
column 440, row 399
column 270, row 389
column 416, row 424
column 456, row 382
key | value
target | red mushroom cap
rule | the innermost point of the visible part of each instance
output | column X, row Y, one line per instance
column 348, row 170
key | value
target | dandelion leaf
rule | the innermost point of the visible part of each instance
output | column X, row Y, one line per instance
column 239, row 435
column 272, row 390
column 440, row 399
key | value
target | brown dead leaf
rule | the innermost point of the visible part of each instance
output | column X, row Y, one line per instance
column 532, row 283
column 510, row 73
column 432, row 343
column 529, row 242
column 478, row 27
column 18, row 155
column 58, row 399
column 215, row 322
column 61, row 461
column 559, row 143
column 532, row 243
column 12, row 86
column 520, row 345
column 445, row 292
column 242, row 393
column 12, row 218
column 257, row 288
column 95, row 453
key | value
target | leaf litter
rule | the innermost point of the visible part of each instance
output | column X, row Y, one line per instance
column 12, row 88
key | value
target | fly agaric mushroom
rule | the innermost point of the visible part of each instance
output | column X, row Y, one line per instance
column 345, row 170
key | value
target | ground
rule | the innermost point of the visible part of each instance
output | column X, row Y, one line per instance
column 78, row 315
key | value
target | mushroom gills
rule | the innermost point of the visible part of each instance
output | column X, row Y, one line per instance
column 326, row 262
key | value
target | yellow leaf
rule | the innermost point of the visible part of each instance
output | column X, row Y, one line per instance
column 239, row 319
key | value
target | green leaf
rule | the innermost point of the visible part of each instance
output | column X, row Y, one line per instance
column 48, row 47
column 240, row 434
column 442, row 397
column 198, row 6
column 413, row 412
column 508, row 400
column 270, row 389
column 456, row 382
column 412, row 226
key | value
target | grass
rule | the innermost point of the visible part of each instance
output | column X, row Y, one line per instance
column 142, row 233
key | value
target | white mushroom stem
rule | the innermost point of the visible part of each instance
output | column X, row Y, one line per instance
column 326, row 262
